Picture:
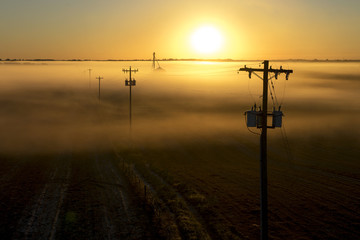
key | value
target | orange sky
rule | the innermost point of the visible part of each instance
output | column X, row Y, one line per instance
column 134, row 29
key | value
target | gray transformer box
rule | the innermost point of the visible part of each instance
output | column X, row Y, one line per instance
column 254, row 119
column 251, row 118
column 130, row 82
column 277, row 118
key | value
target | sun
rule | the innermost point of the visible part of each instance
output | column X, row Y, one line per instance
column 206, row 39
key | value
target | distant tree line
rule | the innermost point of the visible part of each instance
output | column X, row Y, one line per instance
column 184, row 59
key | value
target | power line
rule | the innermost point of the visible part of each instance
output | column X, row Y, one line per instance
column 273, row 88
column 259, row 119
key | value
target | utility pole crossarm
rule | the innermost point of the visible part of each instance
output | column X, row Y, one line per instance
column 270, row 70
column 129, row 70
column 246, row 69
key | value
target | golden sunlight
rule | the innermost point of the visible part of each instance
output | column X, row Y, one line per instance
column 206, row 39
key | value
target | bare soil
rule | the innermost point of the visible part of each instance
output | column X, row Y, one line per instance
column 68, row 196
column 314, row 195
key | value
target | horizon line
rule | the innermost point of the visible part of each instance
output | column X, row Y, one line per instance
column 180, row 59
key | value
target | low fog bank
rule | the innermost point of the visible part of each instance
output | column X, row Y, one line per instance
column 351, row 77
column 191, row 107
column 55, row 121
column 63, row 119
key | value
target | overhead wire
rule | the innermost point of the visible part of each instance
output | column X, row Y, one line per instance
column 257, row 75
column 283, row 95
column 284, row 137
column 256, row 133
column 250, row 91
column 289, row 154
column 273, row 90
column 272, row 97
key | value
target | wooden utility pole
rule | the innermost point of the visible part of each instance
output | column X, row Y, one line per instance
column 263, row 141
column 99, row 85
column 153, row 63
column 129, row 83
column 89, row 77
column 263, row 158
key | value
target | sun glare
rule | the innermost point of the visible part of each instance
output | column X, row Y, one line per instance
column 206, row 40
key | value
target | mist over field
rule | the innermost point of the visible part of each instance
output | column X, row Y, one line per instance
column 52, row 106
column 189, row 142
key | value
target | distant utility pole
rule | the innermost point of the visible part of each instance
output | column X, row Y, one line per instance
column 259, row 119
column 99, row 85
column 89, row 77
column 153, row 63
column 129, row 83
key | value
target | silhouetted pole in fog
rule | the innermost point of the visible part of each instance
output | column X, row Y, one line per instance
column 263, row 141
column 89, row 77
column 153, row 63
column 99, row 85
column 129, row 83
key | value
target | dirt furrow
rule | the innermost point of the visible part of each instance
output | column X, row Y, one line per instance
column 124, row 212
column 63, row 190
column 40, row 216
column 100, row 204
column 37, row 207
